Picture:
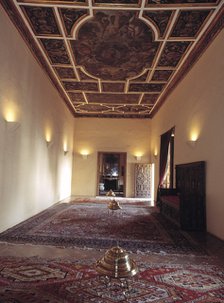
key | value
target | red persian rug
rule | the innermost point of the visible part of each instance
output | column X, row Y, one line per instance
column 34, row 280
column 94, row 225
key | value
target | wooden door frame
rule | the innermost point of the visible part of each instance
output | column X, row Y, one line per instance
column 98, row 169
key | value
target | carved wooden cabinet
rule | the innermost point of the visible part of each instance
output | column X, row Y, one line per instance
column 190, row 183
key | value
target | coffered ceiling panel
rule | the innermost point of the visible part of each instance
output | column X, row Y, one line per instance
column 116, row 58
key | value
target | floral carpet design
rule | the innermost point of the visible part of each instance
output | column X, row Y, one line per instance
column 93, row 225
column 35, row 280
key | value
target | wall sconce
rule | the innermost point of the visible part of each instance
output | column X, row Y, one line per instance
column 48, row 135
column 192, row 143
column 138, row 158
column 138, row 155
column 12, row 125
column 65, row 148
column 193, row 138
column 155, row 155
column 49, row 143
column 11, row 119
column 84, row 154
column 11, row 114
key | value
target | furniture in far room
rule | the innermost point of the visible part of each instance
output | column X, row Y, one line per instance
column 111, row 173
column 185, row 205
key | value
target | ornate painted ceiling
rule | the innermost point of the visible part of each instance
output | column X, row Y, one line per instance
column 116, row 58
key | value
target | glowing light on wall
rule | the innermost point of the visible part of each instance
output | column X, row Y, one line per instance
column 155, row 153
column 194, row 135
column 85, row 153
column 138, row 155
column 48, row 135
column 10, row 116
column 10, row 111
column 194, row 131
column 65, row 147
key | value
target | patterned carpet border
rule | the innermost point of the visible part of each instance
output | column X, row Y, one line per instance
column 35, row 280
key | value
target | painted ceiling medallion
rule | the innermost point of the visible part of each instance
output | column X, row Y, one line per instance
column 115, row 45
column 116, row 58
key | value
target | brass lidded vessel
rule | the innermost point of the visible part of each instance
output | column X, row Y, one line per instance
column 114, row 205
column 116, row 263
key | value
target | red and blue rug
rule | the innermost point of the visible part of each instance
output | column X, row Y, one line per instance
column 93, row 225
column 35, row 280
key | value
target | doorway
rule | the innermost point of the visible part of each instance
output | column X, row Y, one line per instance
column 111, row 173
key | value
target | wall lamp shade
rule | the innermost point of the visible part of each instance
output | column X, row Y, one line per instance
column 85, row 153
column 49, row 143
column 138, row 158
column 192, row 143
column 155, row 156
column 65, row 148
column 12, row 125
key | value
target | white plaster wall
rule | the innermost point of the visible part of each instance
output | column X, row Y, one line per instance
column 115, row 135
column 197, row 105
column 32, row 176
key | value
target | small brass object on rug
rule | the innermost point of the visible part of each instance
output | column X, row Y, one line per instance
column 116, row 263
column 110, row 193
column 114, row 205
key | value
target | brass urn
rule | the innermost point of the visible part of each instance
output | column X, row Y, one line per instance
column 110, row 193
column 114, row 205
column 116, row 263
